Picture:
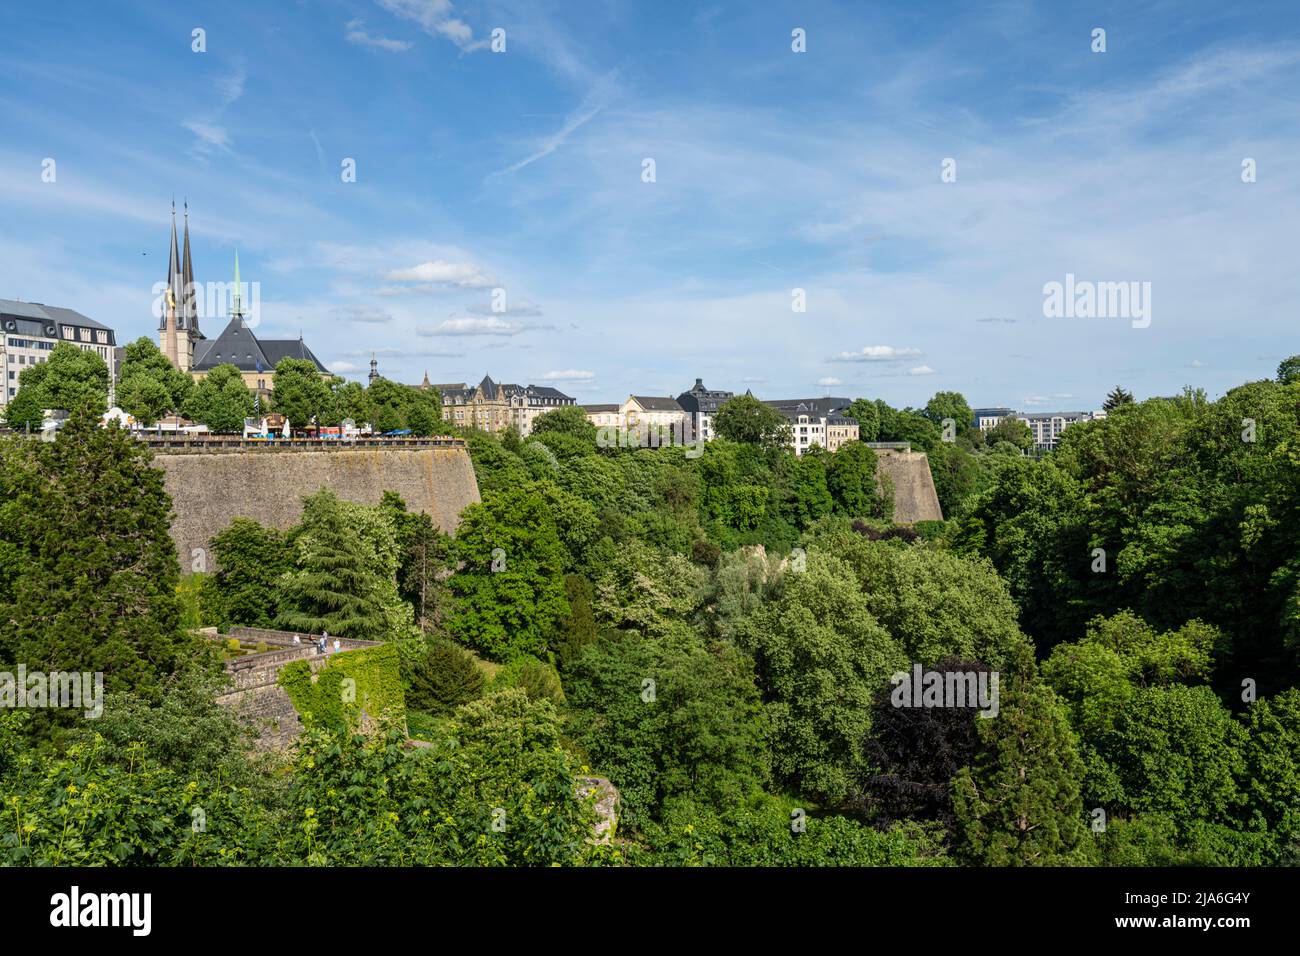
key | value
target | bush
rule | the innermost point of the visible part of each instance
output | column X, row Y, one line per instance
column 535, row 678
column 443, row 679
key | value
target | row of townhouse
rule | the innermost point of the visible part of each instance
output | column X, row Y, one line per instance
column 1045, row 427
column 813, row 421
column 494, row 407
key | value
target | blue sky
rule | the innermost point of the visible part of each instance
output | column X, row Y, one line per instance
column 774, row 170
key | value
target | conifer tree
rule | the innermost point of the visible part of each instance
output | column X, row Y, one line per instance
column 1020, row 804
column 333, row 589
column 93, row 571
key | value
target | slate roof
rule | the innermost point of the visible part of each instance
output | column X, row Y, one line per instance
column 701, row 399
column 654, row 403
column 238, row 346
column 41, row 313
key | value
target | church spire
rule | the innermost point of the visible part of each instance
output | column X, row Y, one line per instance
column 173, row 272
column 237, row 310
column 189, row 315
column 374, row 368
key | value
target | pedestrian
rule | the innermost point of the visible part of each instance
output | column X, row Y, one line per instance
column 337, row 648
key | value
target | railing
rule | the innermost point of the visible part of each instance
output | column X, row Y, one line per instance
column 890, row 445
column 209, row 443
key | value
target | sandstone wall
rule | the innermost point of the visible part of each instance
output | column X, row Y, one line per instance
column 914, row 496
column 209, row 488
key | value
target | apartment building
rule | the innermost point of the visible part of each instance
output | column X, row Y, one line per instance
column 494, row 406
column 817, row 422
column 30, row 330
column 701, row 404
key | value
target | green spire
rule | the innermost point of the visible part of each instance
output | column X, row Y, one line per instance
column 237, row 311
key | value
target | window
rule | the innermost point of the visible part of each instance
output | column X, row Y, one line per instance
column 67, row 333
column 102, row 337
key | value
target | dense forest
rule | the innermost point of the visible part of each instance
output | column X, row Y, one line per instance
column 713, row 633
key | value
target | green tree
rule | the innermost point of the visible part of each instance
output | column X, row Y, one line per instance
column 143, row 358
column 851, row 480
column 867, row 414
column 568, row 420
column 444, row 678
column 75, row 377
column 509, row 593
column 92, row 570
column 67, row 380
column 950, row 405
column 1019, row 804
column 253, row 560
column 332, row 587
column 668, row 716
column 300, row 393
column 1288, row 370
column 746, row 420
column 26, row 410
column 388, row 403
column 821, row 658
column 144, row 397
column 221, row 401
column 1011, row 430
column 1118, row 396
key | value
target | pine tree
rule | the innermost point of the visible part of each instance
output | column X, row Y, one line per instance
column 333, row 588
column 1118, row 396
column 1020, row 804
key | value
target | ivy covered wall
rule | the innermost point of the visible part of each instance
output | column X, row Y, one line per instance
column 332, row 701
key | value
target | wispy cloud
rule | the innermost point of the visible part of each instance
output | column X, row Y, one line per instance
column 877, row 353
column 595, row 101
column 357, row 34
column 361, row 313
column 468, row 326
column 569, row 375
column 434, row 17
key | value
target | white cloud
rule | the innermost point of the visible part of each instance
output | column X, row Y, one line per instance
column 521, row 308
column 829, row 381
column 877, row 353
column 356, row 34
column 467, row 326
column 231, row 86
column 434, row 18
column 462, row 275
column 361, row 313
column 342, row 368
column 921, row 370
column 209, row 134
column 569, row 375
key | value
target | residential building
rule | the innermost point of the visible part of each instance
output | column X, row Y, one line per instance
column 817, row 421
column 30, row 330
column 604, row 416
column 701, row 404
column 653, row 411
column 1046, row 427
column 988, row 418
column 494, row 407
